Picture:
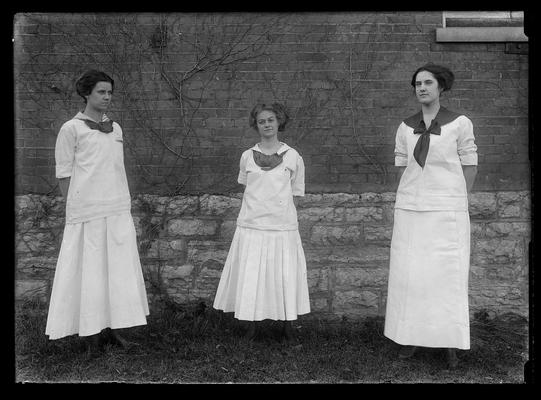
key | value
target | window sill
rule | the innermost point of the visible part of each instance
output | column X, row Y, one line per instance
column 478, row 34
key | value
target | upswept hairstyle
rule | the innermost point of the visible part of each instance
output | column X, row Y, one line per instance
column 278, row 109
column 89, row 79
column 443, row 75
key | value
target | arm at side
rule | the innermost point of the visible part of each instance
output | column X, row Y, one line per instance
column 470, row 171
column 64, row 184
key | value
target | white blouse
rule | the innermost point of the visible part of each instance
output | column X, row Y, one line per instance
column 440, row 185
column 267, row 202
column 94, row 161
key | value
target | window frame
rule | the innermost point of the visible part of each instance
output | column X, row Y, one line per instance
column 481, row 33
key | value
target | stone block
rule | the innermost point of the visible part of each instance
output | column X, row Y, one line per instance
column 182, row 205
column 167, row 248
column 191, row 227
column 30, row 289
column 316, row 255
column 497, row 251
column 514, row 205
column 388, row 197
column 482, row 205
column 497, row 229
column 368, row 254
column 363, row 214
column 202, row 251
column 227, row 230
column 371, row 197
column 37, row 242
column 35, row 268
column 355, row 278
column 477, row 230
column 333, row 234
column 377, row 233
column 340, row 199
column 309, row 200
column 501, row 273
column 177, row 272
column 219, row 205
column 323, row 214
column 498, row 296
column 355, row 301
column 319, row 305
column 318, row 279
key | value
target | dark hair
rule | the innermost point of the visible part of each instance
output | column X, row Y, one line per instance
column 443, row 75
column 88, row 80
column 278, row 109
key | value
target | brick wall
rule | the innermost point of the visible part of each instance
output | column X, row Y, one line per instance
column 344, row 77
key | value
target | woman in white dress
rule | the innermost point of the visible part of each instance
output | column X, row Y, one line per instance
column 264, row 276
column 98, row 281
column 427, row 302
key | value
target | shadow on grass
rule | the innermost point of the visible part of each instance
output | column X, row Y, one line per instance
column 195, row 343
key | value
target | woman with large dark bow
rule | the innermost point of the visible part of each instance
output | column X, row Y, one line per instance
column 264, row 276
column 98, row 285
column 427, row 303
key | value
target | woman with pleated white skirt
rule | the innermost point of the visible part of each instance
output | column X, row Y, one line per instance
column 264, row 276
column 427, row 301
column 98, row 282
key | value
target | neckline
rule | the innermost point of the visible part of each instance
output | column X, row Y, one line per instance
column 82, row 116
column 258, row 148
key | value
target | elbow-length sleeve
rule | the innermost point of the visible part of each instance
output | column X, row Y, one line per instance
column 401, row 147
column 64, row 151
column 297, row 178
column 467, row 149
column 242, row 178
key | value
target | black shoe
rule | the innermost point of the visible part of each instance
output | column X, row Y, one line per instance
column 452, row 359
column 407, row 352
column 93, row 346
column 288, row 334
column 251, row 333
column 114, row 338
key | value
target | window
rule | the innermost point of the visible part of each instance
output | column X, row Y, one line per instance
column 482, row 26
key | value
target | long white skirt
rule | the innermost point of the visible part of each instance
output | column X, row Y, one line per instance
column 98, row 281
column 264, row 276
column 427, row 300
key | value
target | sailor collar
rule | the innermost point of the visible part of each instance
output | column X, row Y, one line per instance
column 443, row 117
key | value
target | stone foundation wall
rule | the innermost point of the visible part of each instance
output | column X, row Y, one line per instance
column 184, row 240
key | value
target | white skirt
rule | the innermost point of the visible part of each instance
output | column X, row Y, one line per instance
column 264, row 276
column 427, row 300
column 98, row 281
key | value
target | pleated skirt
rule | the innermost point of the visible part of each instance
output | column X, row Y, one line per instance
column 264, row 276
column 98, row 281
column 427, row 300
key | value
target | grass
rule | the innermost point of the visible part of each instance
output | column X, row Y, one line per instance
column 195, row 344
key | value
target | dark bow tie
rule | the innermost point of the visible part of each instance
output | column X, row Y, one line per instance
column 267, row 161
column 421, row 148
column 104, row 126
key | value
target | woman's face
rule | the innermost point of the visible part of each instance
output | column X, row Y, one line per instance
column 100, row 97
column 427, row 89
column 267, row 124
